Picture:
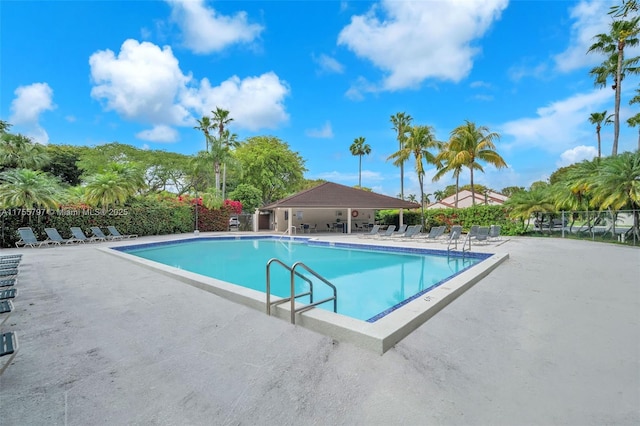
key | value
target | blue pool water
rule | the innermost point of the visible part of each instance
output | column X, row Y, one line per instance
column 370, row 282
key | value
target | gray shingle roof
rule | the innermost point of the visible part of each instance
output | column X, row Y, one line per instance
column 333, row 195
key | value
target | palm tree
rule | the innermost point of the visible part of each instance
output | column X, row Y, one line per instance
column 418, row 144
column 229, row 142
column 476, row 145
column 622, row 34
column 439, row 195
column 4, row 126
column 401, row 123
column 600, row 118
column 359, row 148
column 220, row 120
column 18, row 151
column 526, row 204
column 114, row 185
column 28, row 189
column 205, row 125
column 449, row 158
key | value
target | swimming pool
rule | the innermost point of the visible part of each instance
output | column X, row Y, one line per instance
column 370, row 283
column 383, row 292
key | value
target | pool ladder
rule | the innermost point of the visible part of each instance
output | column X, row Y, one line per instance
column 293, row 297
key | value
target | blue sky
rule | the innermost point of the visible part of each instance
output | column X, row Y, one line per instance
column 316, row 74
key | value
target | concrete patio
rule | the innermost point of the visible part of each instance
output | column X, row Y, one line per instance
column 552, row 336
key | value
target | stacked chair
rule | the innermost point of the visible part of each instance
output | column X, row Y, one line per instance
column 8, row 279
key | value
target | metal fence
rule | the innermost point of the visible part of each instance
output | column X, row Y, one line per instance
column 619, row 226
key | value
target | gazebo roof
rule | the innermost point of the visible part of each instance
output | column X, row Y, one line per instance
column 333, row 195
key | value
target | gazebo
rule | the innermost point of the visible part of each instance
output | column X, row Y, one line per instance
column 328, row 207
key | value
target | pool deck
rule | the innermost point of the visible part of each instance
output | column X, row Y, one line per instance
column 552, row 336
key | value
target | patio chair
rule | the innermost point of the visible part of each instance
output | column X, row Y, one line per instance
column 97, row 233
column 8, row 348
column 11, row 258
column 55, row 236
column 6, row 307
column 483, row 234
column 434, row 233
column 79, row 235
column 28, row 238
column 387, row 233
column 398, row 233
column 454, row 235
column 115, row 233
column 494, row 233
column 7, row 282
column 8, row 294
column 8, row 272
column 411, row 232
column 372, row 233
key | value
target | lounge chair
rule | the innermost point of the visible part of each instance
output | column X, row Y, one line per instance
column 372, row 233
column 28, row 238
column 483, row 234
column 79, row 235
column 494, row 233
column 11, row 258
column 7, row 282
column 8, row 348
column 387, row 233
column 115, row 233
column 454, row 236
column 434, row 233
column 411, row 232
column 8, row 272
column 55, row 236
column 8, row 294
column 5, row 310
column 97, row 233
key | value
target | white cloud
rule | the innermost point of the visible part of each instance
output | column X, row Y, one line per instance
column 327, row 64
column 325, row 132
column 413, row 41
column 158, row 134
column 205, row 30
column 26, row 107
column 144, row 83
column 141, row 83
column 577, row 154
column 558, row 126
column 30, row 102
column 590, row 18
column 254, row 102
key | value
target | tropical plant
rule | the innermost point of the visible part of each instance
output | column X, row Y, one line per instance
column 401, row 124
column 20, row 152
column 622, row 34
column 204, row 125
column 359, row 148
column 439, row 195
column 113, row 186
column 474, row 144
column 449, row 158
column 420, row 140
column 525, row 205
column 600, row 118
column 28, row 189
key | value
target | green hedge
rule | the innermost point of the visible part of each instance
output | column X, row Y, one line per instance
column 478, row 215
column 141, row 216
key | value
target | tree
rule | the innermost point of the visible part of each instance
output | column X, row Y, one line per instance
column 450, row 159
column 524, row 205
column 4, row 126
column 28, row 189
column 64, row 163
column 229, row 142
column 635, row 120
column 248, row 195
column 418, row 144
column 268, row 164
column 475, row 144
column 359, row 148
column 600, row 118
column 401, row 124
column 624, row 9
column 622, row 34
column 510, row 190
column 439, row 195
column 220, row 120
column 204, row 125
column 20, row 152
column 115, row 185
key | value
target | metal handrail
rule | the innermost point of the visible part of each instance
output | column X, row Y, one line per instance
column 269, row 303
column 312, row 304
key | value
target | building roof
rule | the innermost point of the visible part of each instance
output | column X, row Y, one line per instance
column 465, row 199
column 333, row 195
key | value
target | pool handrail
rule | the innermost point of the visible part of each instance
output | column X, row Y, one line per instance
column 286, row 299
column 312, row 304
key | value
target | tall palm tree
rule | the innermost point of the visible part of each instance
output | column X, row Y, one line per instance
column 439, row 195
column 635, row 120
column 204, row 125
column 28, row 189
column 420, row 140
column 622, row 34
column 401, row 124
column 359, row 148
column 476, row 145
column 229, row 142
column 600, row 118
column 450, row 159
column 221, row 119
